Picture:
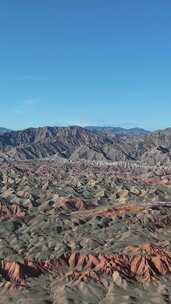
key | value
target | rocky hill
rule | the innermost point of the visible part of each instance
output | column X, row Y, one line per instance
column 44, row 142
column 75, row 143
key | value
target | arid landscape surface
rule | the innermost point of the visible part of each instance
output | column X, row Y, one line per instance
column 85, row 216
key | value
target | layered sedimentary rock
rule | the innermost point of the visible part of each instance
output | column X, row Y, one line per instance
column 145, row 265
column 76, row 143
column 84, row 233
column 11, row 210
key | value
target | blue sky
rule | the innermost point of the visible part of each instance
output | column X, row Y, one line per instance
column 89, row 62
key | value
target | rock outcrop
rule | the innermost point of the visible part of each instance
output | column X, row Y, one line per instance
column 146, row 263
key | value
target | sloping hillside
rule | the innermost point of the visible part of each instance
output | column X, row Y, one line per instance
column 76, row 143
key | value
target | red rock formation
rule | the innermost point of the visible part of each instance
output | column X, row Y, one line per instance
column 144, row 265
column 129, row 207
column 9, row 210
column 73, row 204
column 149, row 249
column 80, row 204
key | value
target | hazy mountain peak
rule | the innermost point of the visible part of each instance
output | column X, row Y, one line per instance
column 3, row 130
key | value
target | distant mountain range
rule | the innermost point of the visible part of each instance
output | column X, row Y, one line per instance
column 116, row 130
column 3, row 130
column 106, row 130
column 91, row 143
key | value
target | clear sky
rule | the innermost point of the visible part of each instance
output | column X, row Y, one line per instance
column 87, row 62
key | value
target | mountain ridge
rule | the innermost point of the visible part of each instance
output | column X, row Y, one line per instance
column 4, row 130
column 76, row 143
column 118, row 130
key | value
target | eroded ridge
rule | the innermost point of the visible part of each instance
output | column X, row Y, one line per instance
column 144, row 264
column 11, row 210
